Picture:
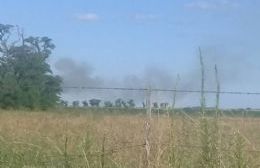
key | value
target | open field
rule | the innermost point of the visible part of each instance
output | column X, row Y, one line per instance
column 78, row 139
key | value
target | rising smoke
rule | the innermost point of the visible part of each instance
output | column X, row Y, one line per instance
column 232, row 73
column 76, row 74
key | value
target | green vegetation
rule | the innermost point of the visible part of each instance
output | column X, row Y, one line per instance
column 26, row 79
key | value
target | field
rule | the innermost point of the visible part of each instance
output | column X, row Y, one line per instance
column 74, row 138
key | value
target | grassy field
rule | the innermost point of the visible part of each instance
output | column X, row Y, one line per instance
column 78, row 139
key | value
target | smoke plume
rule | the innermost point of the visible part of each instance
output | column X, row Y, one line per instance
column 234, row 68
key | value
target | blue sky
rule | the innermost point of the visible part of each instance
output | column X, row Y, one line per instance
column 122, row 37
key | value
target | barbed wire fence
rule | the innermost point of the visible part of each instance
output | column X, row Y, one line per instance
column 166, row 96
column 161, row 90
column 147, row 92
column 131, row 145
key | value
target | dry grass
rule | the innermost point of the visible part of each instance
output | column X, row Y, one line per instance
column 44, row 139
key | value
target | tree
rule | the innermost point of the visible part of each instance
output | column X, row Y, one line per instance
column 64, row 103
column 94, row 102
column 75, row 103
column 108, row 104
column 118, row 102
column 26, row 79
column 124, row 104
column 155, row 105
column 131, row 103
column 164, row 105
column 85, row 103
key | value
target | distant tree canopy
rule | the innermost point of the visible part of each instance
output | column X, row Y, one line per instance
column 75, row 103
column 94, row 102
column 119, row 102
column 26, row 79
column 108, row 104
column 85, row 103
column 131, row 103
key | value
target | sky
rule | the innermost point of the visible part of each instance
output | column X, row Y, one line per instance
column 125, row 40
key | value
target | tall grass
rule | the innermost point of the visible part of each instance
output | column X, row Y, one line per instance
column 43, row 140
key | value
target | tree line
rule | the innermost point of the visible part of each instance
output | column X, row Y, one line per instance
column 119, row 103
column 26, row 79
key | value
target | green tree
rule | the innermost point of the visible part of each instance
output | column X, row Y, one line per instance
column 131, row 103
column 85, row 103
column 108, row 104
column 26, row 79
column 118, row 103
column 75, row 103
column 94, row 102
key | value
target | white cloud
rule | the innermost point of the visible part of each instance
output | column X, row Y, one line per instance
column 87, row 17
column 212, row 4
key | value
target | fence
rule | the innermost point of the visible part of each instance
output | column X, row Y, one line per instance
column 122, row 147
column 185, row 97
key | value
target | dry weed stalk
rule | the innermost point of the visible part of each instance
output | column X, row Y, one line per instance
column 202, row 99
column 218, row 92
column 102, row 156
column 148, row 128
column 175, row 93
column 147, row 144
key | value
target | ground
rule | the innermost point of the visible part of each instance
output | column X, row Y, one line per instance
column 75, row 138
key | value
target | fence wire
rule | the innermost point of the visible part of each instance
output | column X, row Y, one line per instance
column 161, row 90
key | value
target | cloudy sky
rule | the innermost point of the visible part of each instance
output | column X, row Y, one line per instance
column 115, row 40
